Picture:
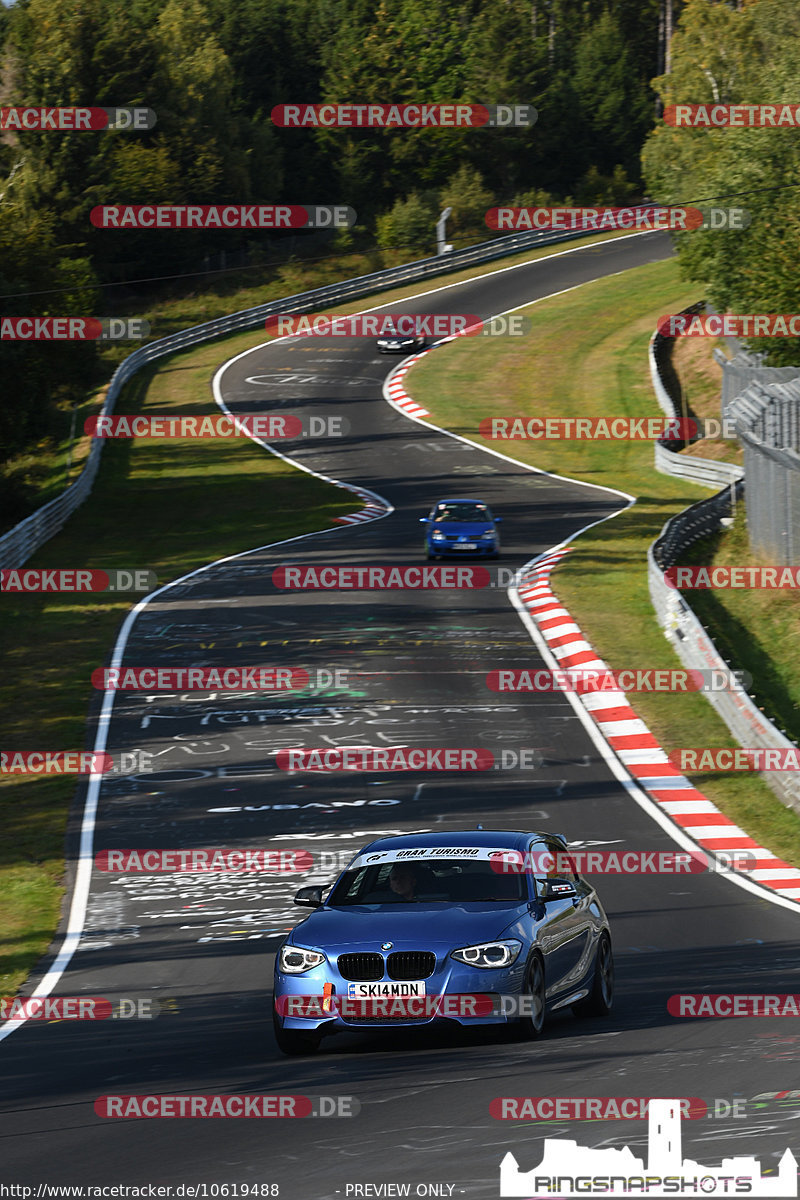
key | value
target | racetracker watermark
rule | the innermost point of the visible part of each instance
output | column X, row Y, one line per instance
column 602, row 1108
column 200, row 679
column 620, row 862
column 269, row 426
column 54, row 762
column 74, row 579
column 75, row 762
column 394, row 326
column 588, row 429
column 374, row 578
column 401, row 758
column 732, row 116
column 733, row 325
column 696, row 578
column 641, row 217
column 404, row 116
column 222, row 216
column 227, row 1106
column 585, row 680
column 77, row 1008
column 72, row 329
column 740, row 758
column 731, row 1004
column 156, row 862
column 75, row 120
column 400, row 1001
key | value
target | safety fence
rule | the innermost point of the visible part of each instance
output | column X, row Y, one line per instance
column 767, row 419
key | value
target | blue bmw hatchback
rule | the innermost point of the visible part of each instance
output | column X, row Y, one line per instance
column 461, row 527
column 477, row 927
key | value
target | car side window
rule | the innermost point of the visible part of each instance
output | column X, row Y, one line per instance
column 549, row 860
column 563, row 863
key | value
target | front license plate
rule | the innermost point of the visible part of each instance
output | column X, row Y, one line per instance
column 466, row 546
column 389, row 988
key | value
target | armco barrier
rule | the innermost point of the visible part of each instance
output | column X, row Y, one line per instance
column 703, row 471
column 690, row 640
column 24, row 539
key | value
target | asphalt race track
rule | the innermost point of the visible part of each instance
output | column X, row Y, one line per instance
column 203, row 946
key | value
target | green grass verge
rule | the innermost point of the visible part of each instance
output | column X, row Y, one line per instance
column 587, row 356
column 167, row 506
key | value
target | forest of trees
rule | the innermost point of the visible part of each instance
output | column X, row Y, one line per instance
column 212, row 70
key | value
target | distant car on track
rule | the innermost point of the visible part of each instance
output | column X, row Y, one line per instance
column 461, row 527
column 393, row 342
column 432, row 918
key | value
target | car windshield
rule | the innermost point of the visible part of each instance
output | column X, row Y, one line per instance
column 454, row 882
column 462, row 512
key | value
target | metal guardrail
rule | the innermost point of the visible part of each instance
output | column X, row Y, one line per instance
column 689, row 638
column 703, row 471
column 24, row 539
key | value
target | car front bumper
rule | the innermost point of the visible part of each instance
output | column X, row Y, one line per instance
column 451, row 979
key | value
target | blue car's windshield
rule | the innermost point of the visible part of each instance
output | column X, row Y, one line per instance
column 462, row 512
column 407, row 883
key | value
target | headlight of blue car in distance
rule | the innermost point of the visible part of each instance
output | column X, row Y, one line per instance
column 489, row 954
column 293, row 960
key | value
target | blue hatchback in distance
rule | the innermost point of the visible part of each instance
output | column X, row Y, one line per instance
column 461, row 527
column 424, row 928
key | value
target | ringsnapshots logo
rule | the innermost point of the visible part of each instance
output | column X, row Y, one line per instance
column 73, row 329
column 222, row 216
column 404, row 116
column 45, row 119
column 640, row 218
column 271, row 427
column 568, row 1169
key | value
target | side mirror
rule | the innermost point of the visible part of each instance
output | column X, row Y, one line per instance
column 311, row 897
column 423, row 520
column 554, row 889
column 497, row 519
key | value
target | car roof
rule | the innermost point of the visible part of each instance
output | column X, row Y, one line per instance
column 462, row 500
column 500, row 839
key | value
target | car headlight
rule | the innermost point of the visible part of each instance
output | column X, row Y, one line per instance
column 293, row 960
column 438, row 536
column 489, row 954
column 491, row 534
